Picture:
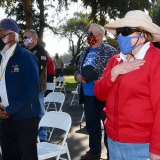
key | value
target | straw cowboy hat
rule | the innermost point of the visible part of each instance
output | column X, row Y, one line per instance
column 137, row 19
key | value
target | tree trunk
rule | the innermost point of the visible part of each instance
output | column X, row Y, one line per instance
column 42, row 21
column 27, row 5
column 75, row 54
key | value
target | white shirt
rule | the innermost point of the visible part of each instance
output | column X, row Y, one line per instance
column 5, row 58
column 139, row 55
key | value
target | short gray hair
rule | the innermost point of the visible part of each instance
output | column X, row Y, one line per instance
column 33, row 32
column 16, row 37
column 100, row 28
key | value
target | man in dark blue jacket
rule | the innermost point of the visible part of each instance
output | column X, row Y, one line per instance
column 30, row 39
column 19, row 102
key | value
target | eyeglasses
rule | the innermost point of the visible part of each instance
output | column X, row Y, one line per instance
column 25, row 37
column 126, row 31
column 90, row 33
column 6, row 34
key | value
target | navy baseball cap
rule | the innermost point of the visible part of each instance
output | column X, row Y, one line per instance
column 9, row 24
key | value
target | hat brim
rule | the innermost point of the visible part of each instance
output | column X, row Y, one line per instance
column 137, row 23
column 4, row 28
column 7, row 28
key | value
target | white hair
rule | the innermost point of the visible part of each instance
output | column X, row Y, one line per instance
column 99, row 27
column 16, row 37
column 32, row 32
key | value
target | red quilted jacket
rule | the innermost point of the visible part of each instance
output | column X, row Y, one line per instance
column 50, row 66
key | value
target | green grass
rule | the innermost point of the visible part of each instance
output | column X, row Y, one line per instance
column 70, row 83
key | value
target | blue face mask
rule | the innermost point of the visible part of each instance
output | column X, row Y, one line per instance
column 124, row 43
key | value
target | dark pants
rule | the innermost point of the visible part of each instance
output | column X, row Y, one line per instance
column 19, row 139
column 0, row 139
column 50, row 79
column 59, row 73
column 93, row 115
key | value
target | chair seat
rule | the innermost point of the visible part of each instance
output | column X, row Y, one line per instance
column 50, row 86
column 47, row 150
column 75, row 92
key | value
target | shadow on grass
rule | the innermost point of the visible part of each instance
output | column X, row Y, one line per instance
column 70, row 86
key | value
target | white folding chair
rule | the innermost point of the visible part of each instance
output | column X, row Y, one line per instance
column 53, row 101
column 60, row 120
column 54, row 98
column 75, row 97
column 61, row 87
column 50, row 86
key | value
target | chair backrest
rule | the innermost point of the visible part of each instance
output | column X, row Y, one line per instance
column 55, row 97
column 58, row 120
column 60, row 87
column 59, row 79
column 50, row 86
column 76, row 91
column 55, row 119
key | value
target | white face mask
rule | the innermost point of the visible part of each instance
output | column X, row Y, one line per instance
column 27, row 41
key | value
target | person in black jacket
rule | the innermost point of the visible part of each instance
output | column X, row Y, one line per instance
column 30, row 39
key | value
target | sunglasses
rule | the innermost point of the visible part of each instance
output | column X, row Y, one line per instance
column 126, row 31
column 25, row 37
column 90, row 33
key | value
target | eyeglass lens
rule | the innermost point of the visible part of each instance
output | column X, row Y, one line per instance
column 126, row 31
column 25, row 37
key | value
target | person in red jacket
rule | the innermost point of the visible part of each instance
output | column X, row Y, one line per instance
column 50, row 72
column 50, row 69
column 130, row 85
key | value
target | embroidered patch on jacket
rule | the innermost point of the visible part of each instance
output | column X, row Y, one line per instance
column 34, row 52
column 15, row 68
column 43, row 58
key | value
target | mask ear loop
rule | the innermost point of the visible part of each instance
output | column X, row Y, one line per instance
column 145, row 36
column 135, row 45
column 137, row 40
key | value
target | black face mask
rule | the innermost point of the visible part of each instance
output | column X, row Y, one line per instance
column 2, row 44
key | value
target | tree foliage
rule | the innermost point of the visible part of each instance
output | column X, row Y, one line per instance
column 155, row 13
column 32, row 14
column 102, row 10
column 75, row 28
